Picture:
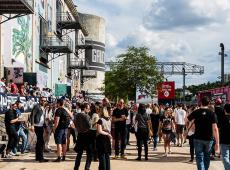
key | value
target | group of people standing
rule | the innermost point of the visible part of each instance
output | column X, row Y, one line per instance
column 100, row 127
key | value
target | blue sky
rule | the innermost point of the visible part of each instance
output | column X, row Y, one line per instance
column 173, row 30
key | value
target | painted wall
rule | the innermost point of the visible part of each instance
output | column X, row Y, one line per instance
column 17, row 43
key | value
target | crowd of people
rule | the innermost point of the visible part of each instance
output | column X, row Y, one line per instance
column 25, row 89
column 101, row 127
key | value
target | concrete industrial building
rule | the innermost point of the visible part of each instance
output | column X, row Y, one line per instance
column 95, row 55
column 50, row 41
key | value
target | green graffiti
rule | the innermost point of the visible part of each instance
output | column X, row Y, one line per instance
column 22, row 41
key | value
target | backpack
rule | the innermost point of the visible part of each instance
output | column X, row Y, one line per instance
column 65, row 122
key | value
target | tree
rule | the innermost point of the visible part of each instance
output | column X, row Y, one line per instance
column 135, row 69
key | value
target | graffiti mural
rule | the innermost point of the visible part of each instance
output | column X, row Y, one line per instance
column 22, row 42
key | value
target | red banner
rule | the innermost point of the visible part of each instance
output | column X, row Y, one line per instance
column 166, row 90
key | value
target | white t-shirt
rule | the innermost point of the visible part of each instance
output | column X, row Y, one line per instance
column 149, row 111
column 128, row 121
column 42, row 119
column 180, row 115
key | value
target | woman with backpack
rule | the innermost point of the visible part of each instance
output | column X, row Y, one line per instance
column 142, row 120
column 167, row 126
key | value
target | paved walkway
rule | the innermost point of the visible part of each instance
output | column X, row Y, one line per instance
column 178, row 160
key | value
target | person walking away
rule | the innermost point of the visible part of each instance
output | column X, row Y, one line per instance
column 84, row 139
column 142, row 131
column 10, row 123
column 148, row 109
column 103, row 140
column 155, row 119
column 225, row 137
column 219, row 111
column 190, row 130
column 119, row 118
column 128, row 126
column 96, row 111
column 37, row 120
column 205, row 129
column 166, row 127
column 180, row 115
column 61, row 124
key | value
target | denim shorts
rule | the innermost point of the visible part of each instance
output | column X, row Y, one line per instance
column 60, row 136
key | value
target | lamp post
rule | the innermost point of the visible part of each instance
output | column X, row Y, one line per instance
column 222, row 62
column 184, row 74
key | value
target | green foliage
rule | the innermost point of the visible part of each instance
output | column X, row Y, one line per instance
column 135, row 69
column 22, row 43
column 195, row 89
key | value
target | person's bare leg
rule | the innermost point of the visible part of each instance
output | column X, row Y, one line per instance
column 63, row 151
column 59, row 151
column 181, row 138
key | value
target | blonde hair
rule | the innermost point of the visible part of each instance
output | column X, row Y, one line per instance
column 104, row 112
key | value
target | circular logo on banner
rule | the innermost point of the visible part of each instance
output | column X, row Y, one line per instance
column 166, row 93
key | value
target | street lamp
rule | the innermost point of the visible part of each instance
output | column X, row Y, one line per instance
column 222, row 62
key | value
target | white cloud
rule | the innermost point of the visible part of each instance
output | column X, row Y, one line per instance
column 110, row 40
column 191, row 33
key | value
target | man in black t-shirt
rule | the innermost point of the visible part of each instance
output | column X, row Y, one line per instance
column 225, row 137
column 219, row 111
column 61, row 124
column 10, row 123
column 119, row 117
column 205, row 129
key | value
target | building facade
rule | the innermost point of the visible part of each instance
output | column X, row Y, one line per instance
column 49, row 44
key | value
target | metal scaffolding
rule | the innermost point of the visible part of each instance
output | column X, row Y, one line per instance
column 11, row 9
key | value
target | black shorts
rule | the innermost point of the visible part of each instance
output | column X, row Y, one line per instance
column 164, row 131
column 60, row 136
column 180, row 129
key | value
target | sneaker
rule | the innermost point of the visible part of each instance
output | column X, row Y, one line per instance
column 7, row 156
column 57, row 160
column 43, row 160
column 12, row 153
column 63, row 158
column 123, row 157
column 190, row 161
column 115, row 157
column 138, row 159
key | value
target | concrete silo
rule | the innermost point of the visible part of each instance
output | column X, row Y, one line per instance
column 93, row 78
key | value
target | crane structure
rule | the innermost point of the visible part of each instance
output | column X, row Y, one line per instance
column 173, row 68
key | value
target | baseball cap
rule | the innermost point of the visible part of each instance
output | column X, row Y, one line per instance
column 218, row 101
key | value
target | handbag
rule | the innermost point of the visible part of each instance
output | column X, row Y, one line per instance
column 132, row 129
column 150, row 128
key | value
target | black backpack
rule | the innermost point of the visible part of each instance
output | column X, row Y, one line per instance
column 65, row 122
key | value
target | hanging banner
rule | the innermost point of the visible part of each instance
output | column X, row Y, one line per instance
column 166, row 90
column 15, row 74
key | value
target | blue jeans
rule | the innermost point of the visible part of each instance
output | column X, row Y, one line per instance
column 21, row 134
column 155, row 140
column 225, row 152
column 104, row 161
column 203, row 151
